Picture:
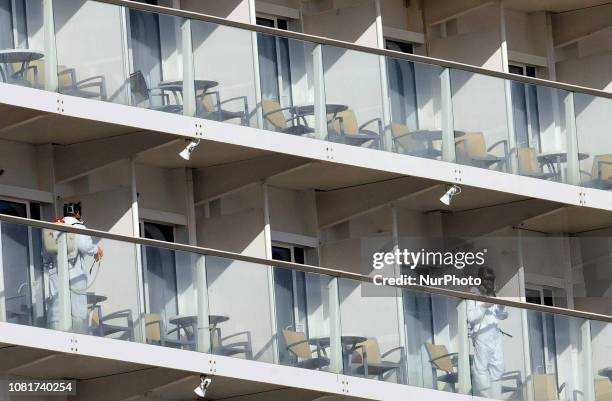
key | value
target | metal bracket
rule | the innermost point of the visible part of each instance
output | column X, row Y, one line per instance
column 199, row 131
column 60, row 105
column 329, row 152
column 345, row 385
column 582, row 197
column 457, row 175
column 74, row 344
column 212, row 365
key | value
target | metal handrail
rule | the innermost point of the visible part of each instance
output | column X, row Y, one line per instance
column 295, row 266
column 353, row 46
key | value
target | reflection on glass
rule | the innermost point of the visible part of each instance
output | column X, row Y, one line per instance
column 592, row 116
column 287, row 84
column 302, row 319
column 371, row 345
column 354, row 111
column 156, row 76
column 415, row 102
column 433, row 353
column 22, row 43
column 540, row 131
column 479, row 114
column 601, row 339
column 224, row 73
column 98, row 74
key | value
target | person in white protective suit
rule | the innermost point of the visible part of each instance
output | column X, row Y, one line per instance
column 77, row 272
column 484, row 318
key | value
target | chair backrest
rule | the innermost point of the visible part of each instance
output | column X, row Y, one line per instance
column 373, row 351
column 545, row 387
column 601, row 170
column 528, row 161
column 603, row 390
column 94, row 316
column 153, row 327
column 297, row 344
column 275, row 116
column 207, row 102
column 439, row 358
column 471, row 145
column 345, row 123
column 139, row 87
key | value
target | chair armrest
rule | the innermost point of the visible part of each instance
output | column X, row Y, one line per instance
column 377, row 120
column 392, row 350
column 504, row 142
column 125, row 313
column 244, row 99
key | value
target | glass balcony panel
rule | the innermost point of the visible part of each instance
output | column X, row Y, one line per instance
column 435, row 349
column 156, row 69
column 302, row 319
column 601, row 349
column 98, row 297
column 556, row 354
column 224, row 73
column 87, row 65
column 22, row 43
column 370, row 332
column 593, row 116
column 416, row 108
column 287, row 82
column 239, row 295
column 540, row 131
column 481, row 126
column 497, row 350
column 353, row 97
column 170, row 301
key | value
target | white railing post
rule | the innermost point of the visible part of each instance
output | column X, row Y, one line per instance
column 320, row 110
column 448, row 131
column 203, row 334
column 50, row 61
column 189, row 93
column 335, row 330
column 63, row 284
column 573, row 164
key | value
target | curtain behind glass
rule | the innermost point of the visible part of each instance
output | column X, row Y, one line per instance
column 6, row 25
column 146, row 47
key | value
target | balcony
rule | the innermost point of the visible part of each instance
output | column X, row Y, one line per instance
column 295, row 84
column 299, row 316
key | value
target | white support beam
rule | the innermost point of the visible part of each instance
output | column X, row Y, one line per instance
column 78, row 160
column 216, row 181
column 461, row 13
column 50, row 60
column 140, row 322
column 334, row 207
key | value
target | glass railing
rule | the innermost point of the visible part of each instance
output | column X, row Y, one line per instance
column 268, row 80
column 209, row 301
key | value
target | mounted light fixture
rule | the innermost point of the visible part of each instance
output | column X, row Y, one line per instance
column 205, row 382
column 452, row 191
column 191, row 145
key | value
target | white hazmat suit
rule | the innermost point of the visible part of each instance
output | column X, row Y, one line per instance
column 77, row 272
column 488, row 366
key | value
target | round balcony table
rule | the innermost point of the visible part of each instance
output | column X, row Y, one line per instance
column 23, row 56
column 187, row 322
column 426, row 136
column 200, row 85
column 94, row 299
column 605, row 372
column 349, row 345
column 554, row 160
column 300, row 112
